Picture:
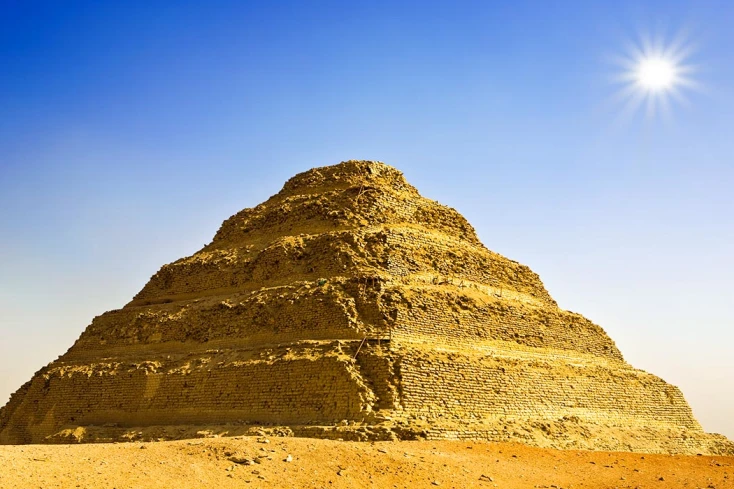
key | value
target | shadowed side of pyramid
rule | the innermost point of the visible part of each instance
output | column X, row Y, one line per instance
column 347, row 305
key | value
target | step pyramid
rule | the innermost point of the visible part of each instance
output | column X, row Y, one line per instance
column 349, row 306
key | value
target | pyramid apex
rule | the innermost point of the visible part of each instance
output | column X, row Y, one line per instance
column 349, row 173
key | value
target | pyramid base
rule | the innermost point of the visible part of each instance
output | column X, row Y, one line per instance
column 357, row 390
column 563, row 434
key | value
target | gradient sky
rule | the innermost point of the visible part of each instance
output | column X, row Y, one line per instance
column 130, row 130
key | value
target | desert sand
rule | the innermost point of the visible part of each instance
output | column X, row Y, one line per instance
column 300, row 462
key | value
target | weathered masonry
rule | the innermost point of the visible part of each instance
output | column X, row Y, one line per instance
column 348, row 306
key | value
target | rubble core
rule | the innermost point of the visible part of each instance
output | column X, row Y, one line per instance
column 349, row 306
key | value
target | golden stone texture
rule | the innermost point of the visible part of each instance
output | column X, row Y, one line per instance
column 348, row 306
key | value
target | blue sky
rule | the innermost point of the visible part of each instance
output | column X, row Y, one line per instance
column 130, row 130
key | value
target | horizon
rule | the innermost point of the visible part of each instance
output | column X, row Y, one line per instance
column 129, row 133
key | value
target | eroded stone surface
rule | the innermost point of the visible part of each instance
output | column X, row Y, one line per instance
column 348, row 306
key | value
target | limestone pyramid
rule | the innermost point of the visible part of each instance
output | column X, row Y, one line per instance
column 349, row 306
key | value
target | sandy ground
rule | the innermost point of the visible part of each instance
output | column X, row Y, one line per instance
column 299, row 462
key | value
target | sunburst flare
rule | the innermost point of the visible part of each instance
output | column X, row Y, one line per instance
column 654, row 74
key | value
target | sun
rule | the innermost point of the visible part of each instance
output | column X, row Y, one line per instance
column 654, row 74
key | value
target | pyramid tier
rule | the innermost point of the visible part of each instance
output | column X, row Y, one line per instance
column 477, row 392
column 298, row 385
column 442, row 315
column 343, row 308
column 395, row 252
column 343, row 198
column 503, row 380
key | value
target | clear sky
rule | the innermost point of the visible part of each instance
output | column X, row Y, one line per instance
column 130, row 130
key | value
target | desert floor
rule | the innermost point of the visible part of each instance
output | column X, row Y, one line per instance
column 298, row 462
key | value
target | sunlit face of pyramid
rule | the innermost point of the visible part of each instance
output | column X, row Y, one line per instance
column 349, row 296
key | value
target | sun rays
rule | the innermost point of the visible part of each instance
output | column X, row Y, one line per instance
column 654, row 75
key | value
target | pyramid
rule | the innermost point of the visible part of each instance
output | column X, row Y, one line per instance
column 349, row 306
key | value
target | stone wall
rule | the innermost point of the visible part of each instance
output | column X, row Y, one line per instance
column 287, row 386
column 351, row 196
column 396, row 251
column 467, row 318
column 326, row 383
column 349, row 309
column 459, row 386
column 280, row 315
column 345, row 209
